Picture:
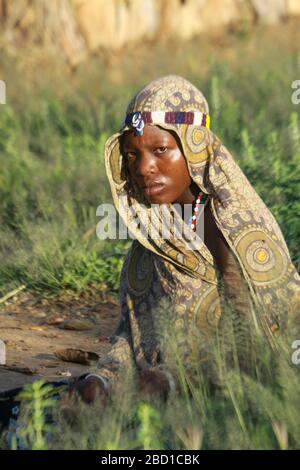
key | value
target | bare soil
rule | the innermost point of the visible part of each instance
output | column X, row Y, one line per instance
column 32, row 329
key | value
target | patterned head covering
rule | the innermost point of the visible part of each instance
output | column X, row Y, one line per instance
column 251, row 231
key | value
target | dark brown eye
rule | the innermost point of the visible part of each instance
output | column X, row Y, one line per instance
column 130, row 155
column 162, row 149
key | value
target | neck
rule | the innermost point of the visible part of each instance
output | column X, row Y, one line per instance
column 189, row 197
column 195, row 190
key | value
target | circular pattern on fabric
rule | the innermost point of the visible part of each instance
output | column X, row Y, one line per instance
column 195, row 136
column 140, row 270
column 263, row 258
column 207, row 310
column 196, row 141
column 264, row 261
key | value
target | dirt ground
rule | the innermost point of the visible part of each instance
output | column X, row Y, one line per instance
column 34, row 328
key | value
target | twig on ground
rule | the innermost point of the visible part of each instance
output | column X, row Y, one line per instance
column 12, row 293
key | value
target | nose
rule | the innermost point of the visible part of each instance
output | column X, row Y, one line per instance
column 145, row 164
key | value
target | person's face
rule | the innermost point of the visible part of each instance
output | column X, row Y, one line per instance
column 156, row 163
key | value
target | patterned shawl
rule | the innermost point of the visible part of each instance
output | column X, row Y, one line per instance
column 155, row 267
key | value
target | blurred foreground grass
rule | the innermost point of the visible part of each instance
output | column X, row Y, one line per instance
column 229, row 396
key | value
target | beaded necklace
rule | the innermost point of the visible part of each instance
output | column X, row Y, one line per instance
column 199, row 201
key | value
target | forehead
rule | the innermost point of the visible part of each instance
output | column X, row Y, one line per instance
column 150, row 135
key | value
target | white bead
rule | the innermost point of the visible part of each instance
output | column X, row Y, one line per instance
column 196, row 209
column 194, row 217
column 198, row 201
column 192, row 226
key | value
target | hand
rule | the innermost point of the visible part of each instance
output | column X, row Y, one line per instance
column 153, row 383
column 88, row 390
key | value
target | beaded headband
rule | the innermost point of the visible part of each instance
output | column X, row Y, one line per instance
column 138, row 119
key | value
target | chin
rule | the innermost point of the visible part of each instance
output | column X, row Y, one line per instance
column 161, row 197
column 158, row 199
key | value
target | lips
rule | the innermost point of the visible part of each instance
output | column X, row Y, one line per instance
column 149, row 182
column 154, row 187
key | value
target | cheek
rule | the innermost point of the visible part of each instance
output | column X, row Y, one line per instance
column 178, row 170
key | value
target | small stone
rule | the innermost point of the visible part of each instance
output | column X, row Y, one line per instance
column 55, row 321
column 36, row 328
column 40, row 315
column 64, row 373
column 78, row 356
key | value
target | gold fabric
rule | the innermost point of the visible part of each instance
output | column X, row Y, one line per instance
column 260, row 270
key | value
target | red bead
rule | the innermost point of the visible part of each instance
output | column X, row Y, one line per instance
column 196, row 211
